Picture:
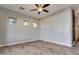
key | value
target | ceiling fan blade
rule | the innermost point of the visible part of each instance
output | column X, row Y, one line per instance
column 46, row 5
column 36, row 5
column 45, row 10
column 33, row 10
column 38, row 12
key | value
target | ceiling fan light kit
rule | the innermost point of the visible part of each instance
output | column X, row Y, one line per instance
column 40, row 9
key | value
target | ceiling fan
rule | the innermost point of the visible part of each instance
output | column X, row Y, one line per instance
column 40, row 8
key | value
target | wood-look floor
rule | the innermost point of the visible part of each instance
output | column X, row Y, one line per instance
column 39, row 48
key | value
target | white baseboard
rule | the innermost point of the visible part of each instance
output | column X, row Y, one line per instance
column 16, row 43
column 35, row 40
column 58, row 43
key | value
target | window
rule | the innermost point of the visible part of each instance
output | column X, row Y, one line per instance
column 12, row 20
column 34, row 24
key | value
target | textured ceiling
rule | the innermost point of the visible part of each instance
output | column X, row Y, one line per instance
column 51, row 8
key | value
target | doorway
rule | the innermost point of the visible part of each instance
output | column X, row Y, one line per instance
column 75, row 29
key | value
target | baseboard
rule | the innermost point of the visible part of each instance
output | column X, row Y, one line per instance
column 35, row 40
column 15, row 43
column 58, row 43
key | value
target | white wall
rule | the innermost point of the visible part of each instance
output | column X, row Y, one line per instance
column 18, row 32
column 57, row 28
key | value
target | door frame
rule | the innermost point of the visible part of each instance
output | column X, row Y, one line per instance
column 73, row 29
